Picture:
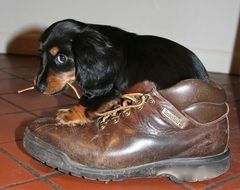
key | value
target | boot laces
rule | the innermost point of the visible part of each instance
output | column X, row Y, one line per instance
column 127, row 103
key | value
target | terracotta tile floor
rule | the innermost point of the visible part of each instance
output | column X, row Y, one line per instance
column 19, row 171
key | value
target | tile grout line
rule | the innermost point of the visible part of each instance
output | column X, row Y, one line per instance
column 13, row 78
column 23, row 110
column 220, row 183
column 26, row 80
column 21, row 183
column 16, row 67
column 56, row 174
column 30, row 170
column 16, row 76
column 13, row 104
column 9, row 113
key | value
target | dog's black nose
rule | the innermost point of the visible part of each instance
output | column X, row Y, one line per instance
column 41, row 87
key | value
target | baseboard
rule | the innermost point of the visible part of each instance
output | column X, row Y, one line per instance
column 28, row 44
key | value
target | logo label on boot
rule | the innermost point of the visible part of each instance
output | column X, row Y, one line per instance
column 173, row 118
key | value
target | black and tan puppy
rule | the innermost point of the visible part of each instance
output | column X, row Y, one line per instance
column 104, row 61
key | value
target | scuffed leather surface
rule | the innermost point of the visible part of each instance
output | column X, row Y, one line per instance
column 188, row 92
column 206, row 112
column 146, row 135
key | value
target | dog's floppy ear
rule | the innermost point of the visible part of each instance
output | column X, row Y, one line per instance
column 96, row 62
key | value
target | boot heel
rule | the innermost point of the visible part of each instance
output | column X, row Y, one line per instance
column 199, row 169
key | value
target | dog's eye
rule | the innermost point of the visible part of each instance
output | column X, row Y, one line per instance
column 61, row 59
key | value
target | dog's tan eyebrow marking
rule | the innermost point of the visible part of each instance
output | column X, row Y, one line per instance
column 54, row 50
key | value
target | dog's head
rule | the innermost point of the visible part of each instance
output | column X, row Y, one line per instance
column 72, row 50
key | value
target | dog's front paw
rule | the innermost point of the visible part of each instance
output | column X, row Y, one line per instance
column 63, row 116
column 61, row 111
column 73, row 116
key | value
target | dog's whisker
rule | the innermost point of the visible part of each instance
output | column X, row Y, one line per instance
column 26, row 89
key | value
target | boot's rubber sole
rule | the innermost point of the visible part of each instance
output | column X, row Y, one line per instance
column 180, row 169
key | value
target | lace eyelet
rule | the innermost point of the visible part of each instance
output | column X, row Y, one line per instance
column 102, row 125
column 140, row 107
column 126, row 113
column 115, row 119
column 149, row 99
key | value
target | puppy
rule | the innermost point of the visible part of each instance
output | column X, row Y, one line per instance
column 105, row 60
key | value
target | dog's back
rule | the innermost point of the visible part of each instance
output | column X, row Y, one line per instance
column 153, row 58
column 162, row 61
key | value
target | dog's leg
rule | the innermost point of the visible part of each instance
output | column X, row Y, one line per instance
column 81, row 115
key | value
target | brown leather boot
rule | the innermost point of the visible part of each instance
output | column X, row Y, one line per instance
column 180, row 132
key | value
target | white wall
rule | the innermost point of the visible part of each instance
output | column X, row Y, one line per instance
column 207, row 27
